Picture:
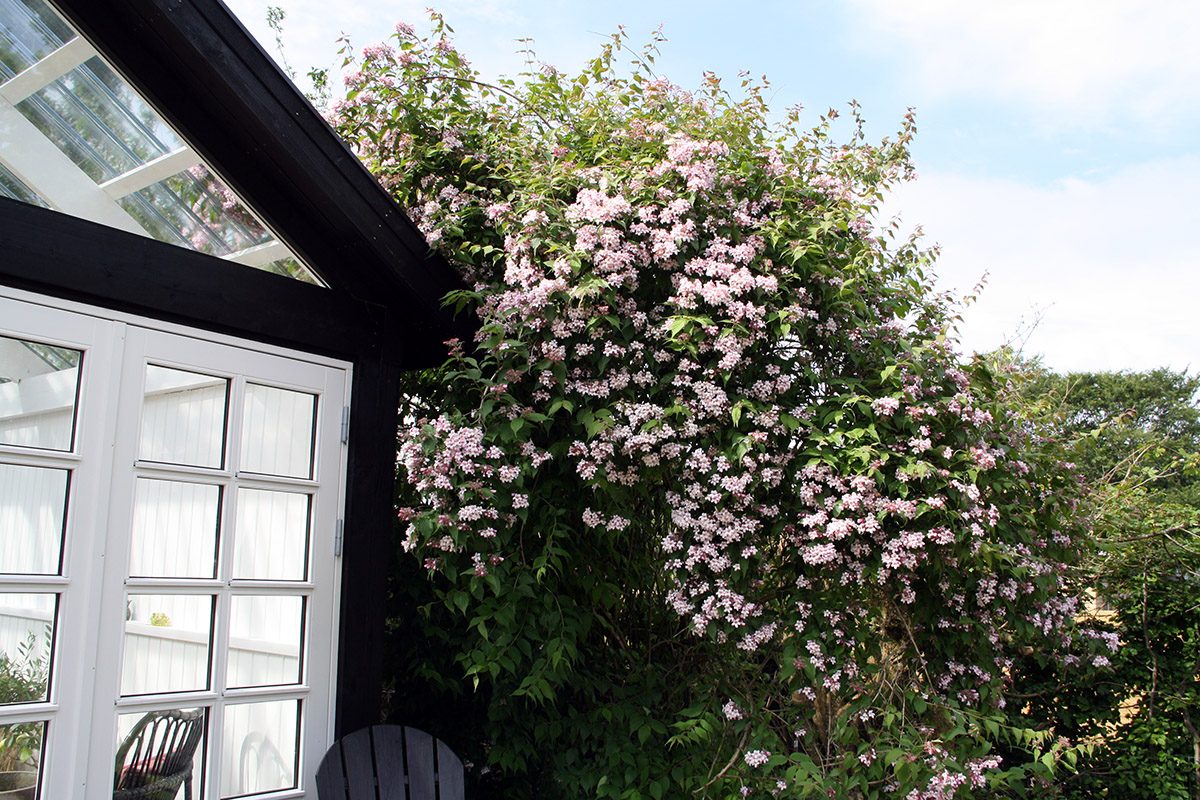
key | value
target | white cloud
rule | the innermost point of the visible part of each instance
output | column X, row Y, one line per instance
column 1076, row 62
column 1112, row 265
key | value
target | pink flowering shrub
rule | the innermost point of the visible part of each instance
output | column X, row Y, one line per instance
column 717, row 507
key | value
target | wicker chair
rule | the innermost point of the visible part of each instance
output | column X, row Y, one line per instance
column 155, row 759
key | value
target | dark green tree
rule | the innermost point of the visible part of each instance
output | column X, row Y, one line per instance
column 1136, row 437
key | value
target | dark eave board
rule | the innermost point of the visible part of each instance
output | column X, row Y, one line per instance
column 52, row 253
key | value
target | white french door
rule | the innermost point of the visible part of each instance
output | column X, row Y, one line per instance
column 169, row 503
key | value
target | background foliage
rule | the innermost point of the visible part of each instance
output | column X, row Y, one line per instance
column 1136, row 437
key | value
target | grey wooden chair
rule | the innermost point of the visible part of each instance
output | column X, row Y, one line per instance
column 390, row 762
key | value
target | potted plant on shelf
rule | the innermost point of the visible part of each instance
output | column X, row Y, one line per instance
column 23, row 679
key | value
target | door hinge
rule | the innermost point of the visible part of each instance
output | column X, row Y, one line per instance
column 338, row 534
column 345, row 424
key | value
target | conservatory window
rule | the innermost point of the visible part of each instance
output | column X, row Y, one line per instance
column 76, row 137
column 169, row 514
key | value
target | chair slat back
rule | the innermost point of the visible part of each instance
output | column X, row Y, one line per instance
column 390, row 762
column 360, row 766
column 450, row 772
column 421, row 769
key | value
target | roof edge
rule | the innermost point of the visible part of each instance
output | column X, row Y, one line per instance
column 202, row 70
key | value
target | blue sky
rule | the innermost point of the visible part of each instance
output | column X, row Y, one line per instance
column 1058, row 145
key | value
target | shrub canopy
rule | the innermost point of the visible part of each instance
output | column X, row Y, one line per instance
column 713, row 505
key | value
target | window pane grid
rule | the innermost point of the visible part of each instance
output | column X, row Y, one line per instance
column 261, row 588
column 257, row 694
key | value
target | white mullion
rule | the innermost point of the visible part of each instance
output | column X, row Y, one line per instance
column 250, row 694
column 83, row 548
column 242, row 586
column 41, row 166
column 222, row 622
column 182, row 586
column 258, row 480
column 46, row 71
column 32, row 584
column 28, row 712
column 179, row 472
column 150, row 173
column 37, row 457
column 109, row 611
column 164, row 701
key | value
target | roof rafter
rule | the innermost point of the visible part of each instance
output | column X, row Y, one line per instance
column 46, row 170
column 150, row 173
column 47, row 70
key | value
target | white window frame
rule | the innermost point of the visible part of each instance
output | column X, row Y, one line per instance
column 85, row 702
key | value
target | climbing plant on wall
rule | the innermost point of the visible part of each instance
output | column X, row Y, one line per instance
column 710, row 506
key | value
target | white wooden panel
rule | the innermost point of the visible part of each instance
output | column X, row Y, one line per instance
column 264, row 626
column 174, row 529
column 32, row 505
column 271, row 535
column 183, row 418
column 51, row 431
column 277, row 431
column 177, row 662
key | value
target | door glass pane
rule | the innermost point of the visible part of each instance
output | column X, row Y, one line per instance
column 277, row 431
column 161, row 753
column 183, row 419
column 38, row 384
column 21, row 759
column 271, row 537
column 174, row 529
column 259, row 747
column 26, row 641
column 266, row 634
column 33, row 503
column 168, row 642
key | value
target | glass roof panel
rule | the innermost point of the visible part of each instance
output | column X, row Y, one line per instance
column 29, row 31
column 196, row 209
column 290, row 268
column 76, row 137
column 13, row 187
column 99, row 121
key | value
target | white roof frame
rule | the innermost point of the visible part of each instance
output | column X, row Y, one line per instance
column 64, row 186
column 57, row 180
